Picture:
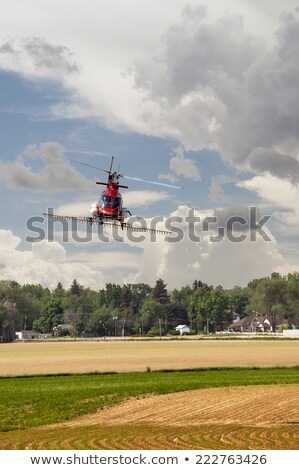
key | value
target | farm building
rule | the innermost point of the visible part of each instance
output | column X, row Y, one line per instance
column 183, row 329
column 26, row 334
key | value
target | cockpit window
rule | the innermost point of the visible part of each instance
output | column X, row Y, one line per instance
column 116, row 201
column 112, row 202
column 105, row 201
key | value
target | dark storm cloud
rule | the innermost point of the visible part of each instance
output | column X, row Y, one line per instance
column 217, row 86
column 267, row 160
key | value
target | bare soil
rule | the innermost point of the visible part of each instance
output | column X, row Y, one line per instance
column 252, row 417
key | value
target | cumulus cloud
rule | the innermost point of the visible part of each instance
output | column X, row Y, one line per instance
column 216, row 85
column 37, row 58
column 282, row 197
column 46, row 263
column 56, row 173
column 217, row 260
column 272, row 190
column 232, row 257
column 216, row 190
column 271, row 161
column 133, row 199
column 183, row 166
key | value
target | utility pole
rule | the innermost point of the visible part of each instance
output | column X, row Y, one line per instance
column 115, row 320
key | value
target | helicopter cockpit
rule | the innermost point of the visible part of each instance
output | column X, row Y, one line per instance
column 111, row 202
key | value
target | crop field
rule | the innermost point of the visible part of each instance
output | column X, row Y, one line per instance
column 229, row 418
column 194, row 395
column 124, row 356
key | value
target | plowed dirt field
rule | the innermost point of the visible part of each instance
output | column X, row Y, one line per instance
column 252, row 417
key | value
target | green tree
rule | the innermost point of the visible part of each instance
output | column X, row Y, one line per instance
column 197, row 308
column 292, row 281
column 217, row 309
column 271, row 297
column 126, row 298
column 181, row 296
column 51, row 316
column 175, row 314
column 101, row 322
column 140, row 292
column 8, row 318
column 113, row 295
column 238, row 300
column 151, row 315
column 159, row 292
column 75, row 288
column 59, row 291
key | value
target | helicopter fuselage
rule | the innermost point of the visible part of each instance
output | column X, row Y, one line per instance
column 110, row 204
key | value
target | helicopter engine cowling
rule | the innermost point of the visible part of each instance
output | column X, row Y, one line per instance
column 94, row 209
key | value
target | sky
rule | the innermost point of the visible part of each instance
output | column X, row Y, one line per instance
column 199, row 94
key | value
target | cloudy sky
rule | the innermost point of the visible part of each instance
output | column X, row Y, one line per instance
column 201, row 94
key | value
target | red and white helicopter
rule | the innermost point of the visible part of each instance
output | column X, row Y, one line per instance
column 109, row 209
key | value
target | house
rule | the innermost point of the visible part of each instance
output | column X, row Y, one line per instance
column 251, row 324
column 183, row 329
column 62, row 330
column 257, row 324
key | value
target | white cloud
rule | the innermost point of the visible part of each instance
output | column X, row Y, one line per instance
column 133, row 199
column 75, row 208
column 184, row 166
column 46, row 263
column 273, row 190
column 56, row 174
column 225, row 263
column 281, row 197
column 216, row 190
column 37, row 58
column 144, row 258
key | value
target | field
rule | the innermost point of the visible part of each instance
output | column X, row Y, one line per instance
column 217, row 405
column 124, row 356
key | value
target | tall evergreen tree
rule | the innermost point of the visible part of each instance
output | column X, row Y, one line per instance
column 159, row 293
column 75, row 288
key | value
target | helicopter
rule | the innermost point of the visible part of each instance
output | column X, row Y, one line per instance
column 109, row 210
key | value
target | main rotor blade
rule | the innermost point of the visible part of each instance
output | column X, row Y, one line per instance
column 151, row 182
column 91, row 166
column 127, row 177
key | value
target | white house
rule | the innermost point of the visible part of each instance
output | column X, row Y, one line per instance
column 183, row 329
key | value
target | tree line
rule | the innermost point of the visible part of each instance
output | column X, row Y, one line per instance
column 139, row 309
